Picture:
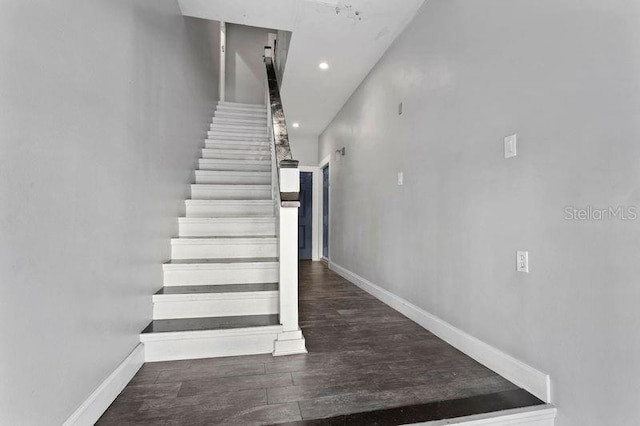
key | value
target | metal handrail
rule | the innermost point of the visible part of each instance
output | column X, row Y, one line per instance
column 284, row 158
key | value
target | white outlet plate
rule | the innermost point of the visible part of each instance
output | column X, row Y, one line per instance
column 522, row 261
column 400, row 178
column 510, row 146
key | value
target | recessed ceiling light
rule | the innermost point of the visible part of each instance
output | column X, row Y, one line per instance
column 296, row 125
column 323, row 66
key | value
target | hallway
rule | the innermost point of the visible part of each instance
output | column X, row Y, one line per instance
column 365, row 360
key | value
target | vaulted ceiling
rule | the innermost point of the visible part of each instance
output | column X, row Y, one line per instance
column 350, row 35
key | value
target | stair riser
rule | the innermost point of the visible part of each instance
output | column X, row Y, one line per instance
column 257, row 137
column 216, row 250
column 247, row 107
column 189, row 346
column 220, row 275
column 243, row 128
column 238, row 165
column 246, row 193
column 257, row 179
column 240, row 155
column 250, row 303
column 228, row 210
column 240, row 122
column 235, row 167
column 240, row 104
column 243, row 108
column 236, row 115
column 237, row 145
column 226, row 229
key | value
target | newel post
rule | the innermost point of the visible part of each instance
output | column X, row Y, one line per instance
column 291, row 340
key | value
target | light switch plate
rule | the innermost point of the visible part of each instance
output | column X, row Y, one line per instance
column 400, row 178
column 510, row 148
column 522, row 261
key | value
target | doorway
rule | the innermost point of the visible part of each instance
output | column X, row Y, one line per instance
column 305, row 217
column 325, row 212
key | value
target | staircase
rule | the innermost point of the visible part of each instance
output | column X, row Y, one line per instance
column 221, row 291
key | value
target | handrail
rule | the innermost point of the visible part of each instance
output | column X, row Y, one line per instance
column 286, row 196
column 282, row 149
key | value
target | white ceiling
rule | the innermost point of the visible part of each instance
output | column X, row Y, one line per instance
column 350, row 35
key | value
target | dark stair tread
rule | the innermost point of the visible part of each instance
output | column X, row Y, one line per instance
column 210, row 323
column 226, row 288
column 222, row 260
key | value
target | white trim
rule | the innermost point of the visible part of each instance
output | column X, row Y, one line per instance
column 543, row 415
column 326, row 161
column 97, row 403
column 315, row 207
column 519, row 373
column 289, row 343
column 223, row 61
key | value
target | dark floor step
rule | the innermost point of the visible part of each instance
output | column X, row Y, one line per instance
column 229, row 288
column 211, row 323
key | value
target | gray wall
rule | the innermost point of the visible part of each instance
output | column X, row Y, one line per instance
column 245, row 72
column 565, row 76
column 103, row 106
column 281, row 53
column 304, row 148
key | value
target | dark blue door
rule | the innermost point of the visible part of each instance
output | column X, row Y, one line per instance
column 325, row 212
column 305, row 216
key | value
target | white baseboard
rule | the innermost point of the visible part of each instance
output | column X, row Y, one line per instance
column 98, row 402
column 519, row 373
column 289, row 343
column 543, row 415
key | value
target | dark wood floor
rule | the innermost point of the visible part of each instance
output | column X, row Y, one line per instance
column 367, row 364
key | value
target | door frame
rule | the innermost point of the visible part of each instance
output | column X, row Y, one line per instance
column 316, row 228
column 326, row 161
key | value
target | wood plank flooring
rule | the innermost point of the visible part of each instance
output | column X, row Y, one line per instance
column 367, row 365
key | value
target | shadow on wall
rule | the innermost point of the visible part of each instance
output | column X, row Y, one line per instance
column 245, row 67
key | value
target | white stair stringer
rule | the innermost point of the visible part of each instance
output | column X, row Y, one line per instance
column 221, row 291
